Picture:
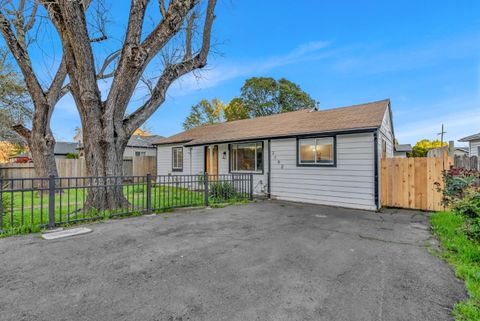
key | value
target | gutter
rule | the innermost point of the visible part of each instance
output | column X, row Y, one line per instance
column 269, row 178
column 376, row 176
column 304, row 135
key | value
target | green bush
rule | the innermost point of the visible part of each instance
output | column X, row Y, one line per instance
column 457, row 183
column 469, row 205
column 71, row 156
column 222, row 190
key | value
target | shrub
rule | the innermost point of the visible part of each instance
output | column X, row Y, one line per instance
column 71, row 156
column 469, row 205
column 138, row 188
column 222, row 190
column 457, row 183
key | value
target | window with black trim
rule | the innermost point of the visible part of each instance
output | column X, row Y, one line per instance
column 316, row 151
column 177, row 159
column 246, row 157
column 140, row 154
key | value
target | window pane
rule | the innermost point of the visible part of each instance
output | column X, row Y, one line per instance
column 307, row 151
column 177, row 157
column 324, row 150
column 259, row 157
column 246, row 157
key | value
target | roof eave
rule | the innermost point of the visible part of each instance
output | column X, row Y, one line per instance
column 297, row 135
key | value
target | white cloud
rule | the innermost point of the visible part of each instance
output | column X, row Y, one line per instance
column 219, row 73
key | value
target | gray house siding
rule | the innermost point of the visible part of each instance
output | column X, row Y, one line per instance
column 474, row 147
column 349, row 184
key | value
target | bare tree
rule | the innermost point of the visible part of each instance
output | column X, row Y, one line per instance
column 106, row 125
column 17, row 19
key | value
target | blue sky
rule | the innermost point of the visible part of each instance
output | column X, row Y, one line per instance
column 423, row 55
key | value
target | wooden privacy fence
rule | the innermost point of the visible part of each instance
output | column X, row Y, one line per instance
column 136, row 166
column 467, row 162
column 413, row 182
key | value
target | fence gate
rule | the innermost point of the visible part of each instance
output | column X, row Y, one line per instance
column 413, row 182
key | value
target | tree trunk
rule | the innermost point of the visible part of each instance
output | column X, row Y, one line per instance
column 42, row 144
column 104, row 161
column 40, row 141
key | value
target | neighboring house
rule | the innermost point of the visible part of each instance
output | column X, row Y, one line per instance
column 63, row 148
column 461, row 151
column 326, row 157
column 138, row 146
column 141, row 146
column 438, row 152
column 401, row 150
column 473, row 144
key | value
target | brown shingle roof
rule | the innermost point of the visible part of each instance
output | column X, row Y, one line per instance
column 364, row 116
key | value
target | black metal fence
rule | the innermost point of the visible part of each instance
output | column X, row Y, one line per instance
column 34, row 203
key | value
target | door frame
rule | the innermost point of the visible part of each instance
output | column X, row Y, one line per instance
column 205, row 153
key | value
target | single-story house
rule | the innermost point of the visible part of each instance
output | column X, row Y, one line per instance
column 329, row 157
column 60, row 151
column 401, row 150
column 141, row 146
column 453, row 151
column 473, row 144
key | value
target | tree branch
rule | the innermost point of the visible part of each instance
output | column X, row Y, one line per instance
column 135, row 57
column 171, row 73
column 22, row 57
column 188, row 37
column 163, row 11
column 23, row 131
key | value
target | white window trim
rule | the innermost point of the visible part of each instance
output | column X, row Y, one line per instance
column 234, row 159
column 332, row 163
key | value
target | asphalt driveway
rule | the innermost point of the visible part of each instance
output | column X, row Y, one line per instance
column 262, row 261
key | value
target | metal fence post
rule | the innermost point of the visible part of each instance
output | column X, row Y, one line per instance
column 205, row 182
column 51, row 201
column 149, row 193
column 251, row 186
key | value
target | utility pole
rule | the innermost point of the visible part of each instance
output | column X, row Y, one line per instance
column 441, row 146
column 441, row 135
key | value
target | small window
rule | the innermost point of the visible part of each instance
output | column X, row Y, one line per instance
column 246, row 157
column 316, row 151
column 140, row 154
column 177, row 159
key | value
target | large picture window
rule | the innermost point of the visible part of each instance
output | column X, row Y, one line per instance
column 177, row 159
column 246, row 157
column 316, row 151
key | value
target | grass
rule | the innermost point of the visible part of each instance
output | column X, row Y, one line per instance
column 464, row 255
column 28, row 212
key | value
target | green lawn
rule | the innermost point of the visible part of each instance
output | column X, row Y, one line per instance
column 464, row 255
column 29, row 209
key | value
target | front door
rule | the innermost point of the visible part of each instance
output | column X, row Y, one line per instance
column 213, row 153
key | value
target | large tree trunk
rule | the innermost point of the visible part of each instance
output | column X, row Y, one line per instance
column 104, row 161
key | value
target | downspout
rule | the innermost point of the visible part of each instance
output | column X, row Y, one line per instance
column 269, row 179
column 375, row 155
column 190, row 154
